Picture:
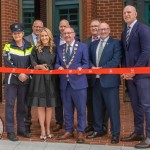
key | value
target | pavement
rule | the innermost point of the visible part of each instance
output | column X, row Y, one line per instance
column 30, row 145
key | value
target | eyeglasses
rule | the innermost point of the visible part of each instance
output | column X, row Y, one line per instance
column 105, row 29
column 69, row 33
column 38, row 27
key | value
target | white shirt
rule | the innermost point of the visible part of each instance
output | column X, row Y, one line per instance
column 71, row 46
column 62, row 41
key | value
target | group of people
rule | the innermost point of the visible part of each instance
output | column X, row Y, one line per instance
column 98, row 93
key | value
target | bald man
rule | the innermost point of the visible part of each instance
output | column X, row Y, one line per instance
column 136, row 46
column 105, row 53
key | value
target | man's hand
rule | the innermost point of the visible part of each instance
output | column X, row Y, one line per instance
column 22, row 77
column 60, row 68
column 128, row 76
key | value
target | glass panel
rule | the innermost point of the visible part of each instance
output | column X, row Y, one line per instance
column 73, row 17
column 63, row 11
column 73, row 22
column 73, row 10
column 63, row 17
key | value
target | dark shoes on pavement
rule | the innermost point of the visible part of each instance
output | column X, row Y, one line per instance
column 95, row 134
column 67, row 135
column 88, row 129
column 143, row 144
column 133, row 137
column 12, row 137
column 24, row 134
column 115, row 139
column 57, row 127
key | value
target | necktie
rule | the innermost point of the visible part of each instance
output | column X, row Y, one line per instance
column 68, row 55
column 36, row 39
column 127, row 35
column 95, row 38
column 100, row 50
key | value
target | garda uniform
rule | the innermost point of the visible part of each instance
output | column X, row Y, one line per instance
column 16, row 57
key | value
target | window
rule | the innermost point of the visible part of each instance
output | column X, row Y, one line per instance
column 28, row 15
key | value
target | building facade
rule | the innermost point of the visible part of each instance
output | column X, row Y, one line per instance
column 78, row 12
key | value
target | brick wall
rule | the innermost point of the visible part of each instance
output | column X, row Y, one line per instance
column 111, row 12
column 89, row 13
column 43, row 10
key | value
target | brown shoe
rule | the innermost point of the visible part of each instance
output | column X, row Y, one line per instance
column 57, row 127
column 80, row 138
column 67, row 135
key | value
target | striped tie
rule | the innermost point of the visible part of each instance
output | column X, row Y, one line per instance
column 127, row 35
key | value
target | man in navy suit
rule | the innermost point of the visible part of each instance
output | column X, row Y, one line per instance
column 90, row 118
column 105, row 53
column 59, row 40
column 73, row 55
column 136, row 45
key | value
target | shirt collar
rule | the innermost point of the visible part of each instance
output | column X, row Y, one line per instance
column 97, row 38
column 72, row 43
column 105, row 40
column 34, row 36
column 132, row 24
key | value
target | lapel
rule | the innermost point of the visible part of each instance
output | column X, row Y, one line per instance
column 133, row 31
column 95, row 44
column 31, row 39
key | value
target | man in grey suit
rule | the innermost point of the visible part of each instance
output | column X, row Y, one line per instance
column 90, row 118
column 32, row 38
column 36, row 30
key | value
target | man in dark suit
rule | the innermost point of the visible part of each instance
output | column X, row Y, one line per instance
column 90, row 118
column 136, row 45
column 105, row 53
column 32, row 38
column 59, row 40
column 36, row 30
column 73, row 55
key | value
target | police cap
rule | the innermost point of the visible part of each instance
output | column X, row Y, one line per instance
column 17, row 27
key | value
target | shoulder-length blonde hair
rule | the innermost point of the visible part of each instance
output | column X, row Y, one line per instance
column 40, row 45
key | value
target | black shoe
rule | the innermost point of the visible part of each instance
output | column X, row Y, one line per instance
column 88, row 129
column 95, row 134
column 133, row 137
column 143, row 144
column 24, row 134
column 28, row 128
column 12, row 137
column 115, row 139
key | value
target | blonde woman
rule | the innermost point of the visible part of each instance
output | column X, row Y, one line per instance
column 42, row 90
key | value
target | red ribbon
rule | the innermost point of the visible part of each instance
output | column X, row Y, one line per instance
column 137, row 70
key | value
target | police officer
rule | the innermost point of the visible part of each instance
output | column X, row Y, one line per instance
column 16, row 55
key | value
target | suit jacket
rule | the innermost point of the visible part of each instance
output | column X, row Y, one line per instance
column 88, row 41
column 81, row 59
column 137, row 53
column 110, row 58
column 29, row 38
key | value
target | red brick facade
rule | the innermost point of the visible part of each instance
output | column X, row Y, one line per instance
column 109, row 11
